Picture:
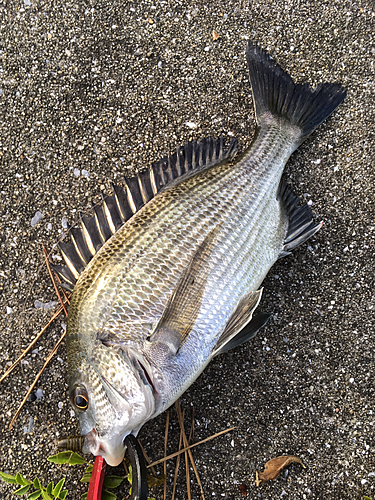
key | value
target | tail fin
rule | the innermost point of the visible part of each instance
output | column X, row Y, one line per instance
column 276, row 96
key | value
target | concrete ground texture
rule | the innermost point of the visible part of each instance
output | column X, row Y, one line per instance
column 91, row 90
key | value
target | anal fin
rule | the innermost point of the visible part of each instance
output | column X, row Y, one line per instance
column 300, row 220
column 240, row 327
column 247, row 333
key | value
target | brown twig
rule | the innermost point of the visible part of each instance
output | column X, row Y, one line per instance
column 62, row 307
column 31, row 344
column 126, row 467
column 147, row 458
column 181, row 422
column 165, row 454
column 36, row 380
column 53, row 281
column 186, row 444
column 161, row 460
column 191, row 433
column 177, row 462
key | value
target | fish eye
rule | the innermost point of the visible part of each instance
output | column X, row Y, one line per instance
column 80, row 398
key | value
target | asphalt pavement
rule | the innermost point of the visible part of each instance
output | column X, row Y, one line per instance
column 90, row 90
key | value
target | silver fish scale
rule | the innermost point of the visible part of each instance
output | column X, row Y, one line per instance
column 178, row 281
column 124, row 289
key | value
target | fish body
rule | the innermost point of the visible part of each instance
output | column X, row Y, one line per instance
column 179, row 281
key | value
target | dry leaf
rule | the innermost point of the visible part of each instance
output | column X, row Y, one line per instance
column 155, row 480
column 215, row 36
column 273, row 468
column 243, row 489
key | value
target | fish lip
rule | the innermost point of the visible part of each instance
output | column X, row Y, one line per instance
column 94, row 446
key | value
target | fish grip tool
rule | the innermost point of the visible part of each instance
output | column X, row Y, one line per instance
column 97, row 479
column 139, row 473
column 139, row 470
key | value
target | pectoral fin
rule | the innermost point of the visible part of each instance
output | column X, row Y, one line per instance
column 182, row 309
column 241, row 327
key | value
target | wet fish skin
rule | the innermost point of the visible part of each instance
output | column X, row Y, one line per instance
column 222, row 228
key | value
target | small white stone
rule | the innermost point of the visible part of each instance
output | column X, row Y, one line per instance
column 77, row 172
column 38, row 304
column 37, row 218
column 39, row 393
column 191, row 124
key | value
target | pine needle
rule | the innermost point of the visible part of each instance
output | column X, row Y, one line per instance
column 36, row 380
column 147, row 458
column 191, row 434
column 182, row 427
column 53, row 280
column 161, row 460
column 186, row 444
column 165, row 454
column 62, row 307
column 31, row 344
column 177, row 462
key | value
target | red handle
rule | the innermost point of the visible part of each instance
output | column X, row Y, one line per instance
column 97, row 479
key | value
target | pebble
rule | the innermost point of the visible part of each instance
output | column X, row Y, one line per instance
column 29, row 427
column 39, row 394
column 44, row 305
column 37, row 218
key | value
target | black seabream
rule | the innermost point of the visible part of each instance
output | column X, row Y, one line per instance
column 166, row 275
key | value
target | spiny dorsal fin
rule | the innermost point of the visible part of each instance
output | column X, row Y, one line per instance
column 126, row 200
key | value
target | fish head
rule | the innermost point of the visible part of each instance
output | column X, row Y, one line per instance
column 112, row 398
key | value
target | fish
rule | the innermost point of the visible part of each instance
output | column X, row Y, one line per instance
column 167, row 273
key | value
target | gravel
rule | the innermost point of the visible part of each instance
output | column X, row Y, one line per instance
column 92, row 90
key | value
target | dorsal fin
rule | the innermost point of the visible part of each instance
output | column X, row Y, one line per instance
column 126, row 200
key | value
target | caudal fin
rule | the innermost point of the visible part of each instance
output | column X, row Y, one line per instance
column 278, row 99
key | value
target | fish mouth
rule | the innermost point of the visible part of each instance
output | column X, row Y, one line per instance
column 113, row 455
